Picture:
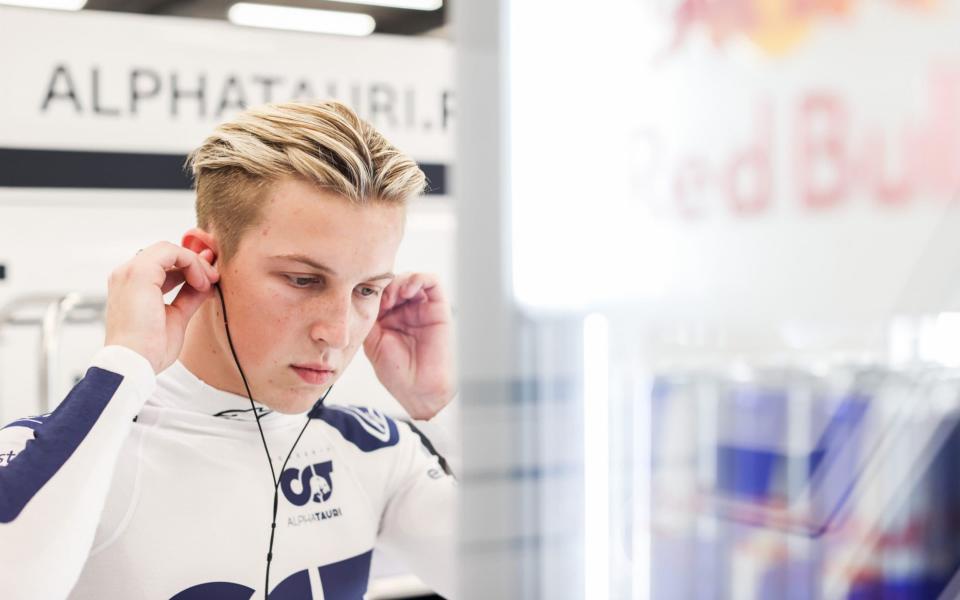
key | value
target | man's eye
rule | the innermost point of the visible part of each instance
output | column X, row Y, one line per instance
column 302, row 282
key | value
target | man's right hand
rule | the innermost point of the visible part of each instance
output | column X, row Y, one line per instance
column 137, row 316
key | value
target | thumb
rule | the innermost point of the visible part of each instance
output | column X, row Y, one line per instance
column 186, row 303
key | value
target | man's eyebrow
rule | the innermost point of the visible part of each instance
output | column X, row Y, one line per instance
column 302, row 258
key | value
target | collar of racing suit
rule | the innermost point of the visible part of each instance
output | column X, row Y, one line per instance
column 178, row 388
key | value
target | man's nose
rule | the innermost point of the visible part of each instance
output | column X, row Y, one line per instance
column 331, row 321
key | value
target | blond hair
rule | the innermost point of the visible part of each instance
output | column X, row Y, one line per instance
column 325, row 143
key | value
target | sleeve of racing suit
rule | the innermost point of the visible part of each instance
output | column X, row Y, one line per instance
column 55, row 472
column 418, row 526
column 443, row 431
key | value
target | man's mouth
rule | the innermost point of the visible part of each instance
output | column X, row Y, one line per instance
column 314, row 374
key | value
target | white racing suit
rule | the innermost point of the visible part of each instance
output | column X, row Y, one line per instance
column 157, row 487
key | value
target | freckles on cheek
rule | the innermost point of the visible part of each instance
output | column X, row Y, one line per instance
column 271, row 320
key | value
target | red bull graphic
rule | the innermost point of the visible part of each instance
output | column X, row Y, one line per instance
column 811, row 154
column 774, row 26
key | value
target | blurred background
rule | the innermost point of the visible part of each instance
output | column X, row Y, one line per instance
column 704, row 257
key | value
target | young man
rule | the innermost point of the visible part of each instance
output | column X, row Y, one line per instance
column 161, row 473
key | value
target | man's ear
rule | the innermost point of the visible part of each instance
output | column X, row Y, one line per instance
column 198, row 240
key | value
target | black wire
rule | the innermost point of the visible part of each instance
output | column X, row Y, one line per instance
column 256, row 415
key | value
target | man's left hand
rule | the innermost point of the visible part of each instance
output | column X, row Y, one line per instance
column 411, row 347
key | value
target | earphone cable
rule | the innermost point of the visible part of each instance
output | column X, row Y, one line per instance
column 263, row 438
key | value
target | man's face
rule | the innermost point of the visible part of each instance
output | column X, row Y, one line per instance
column 303, row 290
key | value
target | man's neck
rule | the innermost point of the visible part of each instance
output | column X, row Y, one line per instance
column 204, row 355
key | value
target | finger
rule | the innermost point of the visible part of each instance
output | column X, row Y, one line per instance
column 195, row 273
column 166, row 254
column 170, row 256
column 400, row 303
column 412, row 285
column 414, row 289
column 418, row 298
column 206, row 259
column 389, row 298
column 426, row 282
column 411, row 315
column 399, row 291
column 174, row 278
column 186, row 303
column 394, row 299
column 435, row 292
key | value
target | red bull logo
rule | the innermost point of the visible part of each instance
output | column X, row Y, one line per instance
column 774, row 26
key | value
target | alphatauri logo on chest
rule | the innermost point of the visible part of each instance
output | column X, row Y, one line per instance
column 311, row 485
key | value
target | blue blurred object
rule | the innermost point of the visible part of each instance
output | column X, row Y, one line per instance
column 759, row 474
